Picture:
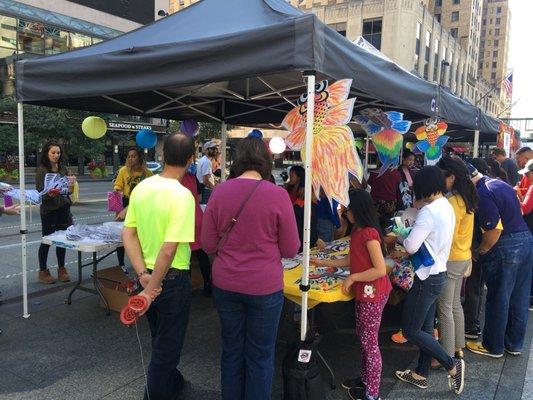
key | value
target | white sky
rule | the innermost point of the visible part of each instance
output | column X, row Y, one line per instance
column 521, row 57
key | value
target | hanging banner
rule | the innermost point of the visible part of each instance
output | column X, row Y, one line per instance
column 334, row 152
column 386, row 130
column 507, row 139
column 431, row 139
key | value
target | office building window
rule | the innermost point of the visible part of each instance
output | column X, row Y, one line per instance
column 79, row 40
column 453, row 32
column 455, row 16
column 427, row 55
column 8, row 33
column 481, row 65
column 498, row 20
column 339, row 27
column 55, row 40
column 30, row 36
column 438, row 3
column 494, row 64
column 372, row 31
column 484, row 21
column 493, row 75
column 436, row 61
column 456, row 1
column 495, row 54
column 482, row 43
column 437, row 17
column 496, row 42
column 499, row 10
column 497, row 31
column 417, row 44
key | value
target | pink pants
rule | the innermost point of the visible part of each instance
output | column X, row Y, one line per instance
column 368, row 319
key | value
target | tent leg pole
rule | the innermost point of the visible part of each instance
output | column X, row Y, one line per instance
column 22, row 182
column 307, row 204
column 367, row 146
column 223, row 152
column 476, row 144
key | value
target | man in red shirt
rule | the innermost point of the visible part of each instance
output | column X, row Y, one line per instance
column 522, row 157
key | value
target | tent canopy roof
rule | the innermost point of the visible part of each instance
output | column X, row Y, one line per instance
column 195, row 64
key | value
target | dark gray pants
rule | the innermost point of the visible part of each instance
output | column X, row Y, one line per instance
column 473, row 298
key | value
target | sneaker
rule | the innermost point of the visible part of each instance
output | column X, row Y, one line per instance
column 473, row 335
column 353, row 383
column 513, row 353
column 398, row 337
column 459, row 354
column 46, row 277
column 457, row 382
column 407, row 376
column 62, row 275
column 477, row 347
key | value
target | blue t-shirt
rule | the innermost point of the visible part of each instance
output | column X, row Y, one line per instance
column 498, row 203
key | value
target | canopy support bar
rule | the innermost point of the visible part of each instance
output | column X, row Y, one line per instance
column 22, row 185
column 123, row 104
column 188, row 106
column 276, row 91
column 173, row 99
column 307, row 202
column 476, row 144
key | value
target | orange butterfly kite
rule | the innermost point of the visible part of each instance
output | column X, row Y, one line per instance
column 334, row 152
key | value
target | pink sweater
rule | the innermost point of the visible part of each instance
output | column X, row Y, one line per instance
column 249, row 261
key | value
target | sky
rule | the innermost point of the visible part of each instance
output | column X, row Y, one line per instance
column 521, row 57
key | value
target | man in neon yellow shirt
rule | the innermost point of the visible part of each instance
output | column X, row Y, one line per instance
column 159, row 226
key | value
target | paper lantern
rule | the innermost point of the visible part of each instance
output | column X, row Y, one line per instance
column 277, row 145
column 410, row 145
column 189, row 127
column 94, row 127
column 146, row 138
column 256, row 133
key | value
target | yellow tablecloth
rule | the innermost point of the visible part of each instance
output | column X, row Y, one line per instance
column 326, row 283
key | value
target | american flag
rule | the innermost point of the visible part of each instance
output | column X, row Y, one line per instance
column 508, row 85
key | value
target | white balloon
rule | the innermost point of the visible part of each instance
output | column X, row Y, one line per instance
column 277, row 145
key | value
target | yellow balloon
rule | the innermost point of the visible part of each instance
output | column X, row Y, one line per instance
column 410, row 146
column 94, row 127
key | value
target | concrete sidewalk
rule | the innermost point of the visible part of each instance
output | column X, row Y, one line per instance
column 75, row 352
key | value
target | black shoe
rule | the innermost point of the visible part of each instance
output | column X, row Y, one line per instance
column 457, row 382
column 407, row 376
column 353, row 383
column 473, row 335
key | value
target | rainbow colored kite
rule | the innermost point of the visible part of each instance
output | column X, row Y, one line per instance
column 334, row 152
column 431, row 138
column 386, row 130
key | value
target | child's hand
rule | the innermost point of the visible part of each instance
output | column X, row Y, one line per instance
column 318, row 262
column 347, row 286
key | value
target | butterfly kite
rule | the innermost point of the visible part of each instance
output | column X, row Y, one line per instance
column 431, row 138
column 334, row 153
column 386, row 130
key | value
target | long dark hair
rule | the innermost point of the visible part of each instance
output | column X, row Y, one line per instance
column 495, row 170
column 364, row 212
column 462, row 184
column 428, row 181
column 252, row 155
column 299, row 171
column 45, row 161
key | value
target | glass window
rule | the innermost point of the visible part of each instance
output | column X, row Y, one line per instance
column 494, row 64
column 372, row 31
column 497, row 31
column 455, row 16
column 427, row 55
column 437, row 17
column 30, row 36
column 8, row 32
column 499, row 10
column 436, row 61
column 495, row 54
column 493, row 75
column 339, row 27
column 55, row 40
column 453, row 32
column 438, row 3
column 417, row 44
column 97, row 40
column 496, row 42
column 456, row 1
column 79, row 40
column 498, row 20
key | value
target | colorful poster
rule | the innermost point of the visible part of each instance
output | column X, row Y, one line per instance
column 386, row 130
column 334, row 153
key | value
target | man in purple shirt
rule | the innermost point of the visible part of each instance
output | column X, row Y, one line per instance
column 506, row 255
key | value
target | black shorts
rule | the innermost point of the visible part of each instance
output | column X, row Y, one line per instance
column 57, row 220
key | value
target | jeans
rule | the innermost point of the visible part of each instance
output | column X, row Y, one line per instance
column 507, row 270
column 418, row 322
column 249, row 326
column 168, row 317
column 206, row 194
column 473, row 298
column 325, row 229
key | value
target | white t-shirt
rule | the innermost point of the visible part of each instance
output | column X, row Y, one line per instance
column 434, row 226
column 204, row 168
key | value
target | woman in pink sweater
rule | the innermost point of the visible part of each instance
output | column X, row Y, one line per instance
column 249, row 224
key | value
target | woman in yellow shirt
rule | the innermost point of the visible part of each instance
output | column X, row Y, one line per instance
column 128, row 177
column 464, row 202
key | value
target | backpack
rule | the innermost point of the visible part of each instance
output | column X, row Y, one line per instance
column 301, row 371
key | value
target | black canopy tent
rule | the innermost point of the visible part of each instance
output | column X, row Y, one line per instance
column 238, row 62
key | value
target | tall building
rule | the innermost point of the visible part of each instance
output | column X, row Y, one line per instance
column 494, row 45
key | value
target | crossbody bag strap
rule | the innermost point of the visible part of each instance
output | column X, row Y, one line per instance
column 234, row 220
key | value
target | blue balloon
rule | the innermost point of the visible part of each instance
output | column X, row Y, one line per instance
column 146, row 138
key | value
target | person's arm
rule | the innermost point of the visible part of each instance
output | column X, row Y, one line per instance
column 490, row 224
column 421, row 230
column 208, row 182
column 489, row 239
column 527, row 203
column 209, row 233
column 120, row 181
column 339, row 263
column 288, row 238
